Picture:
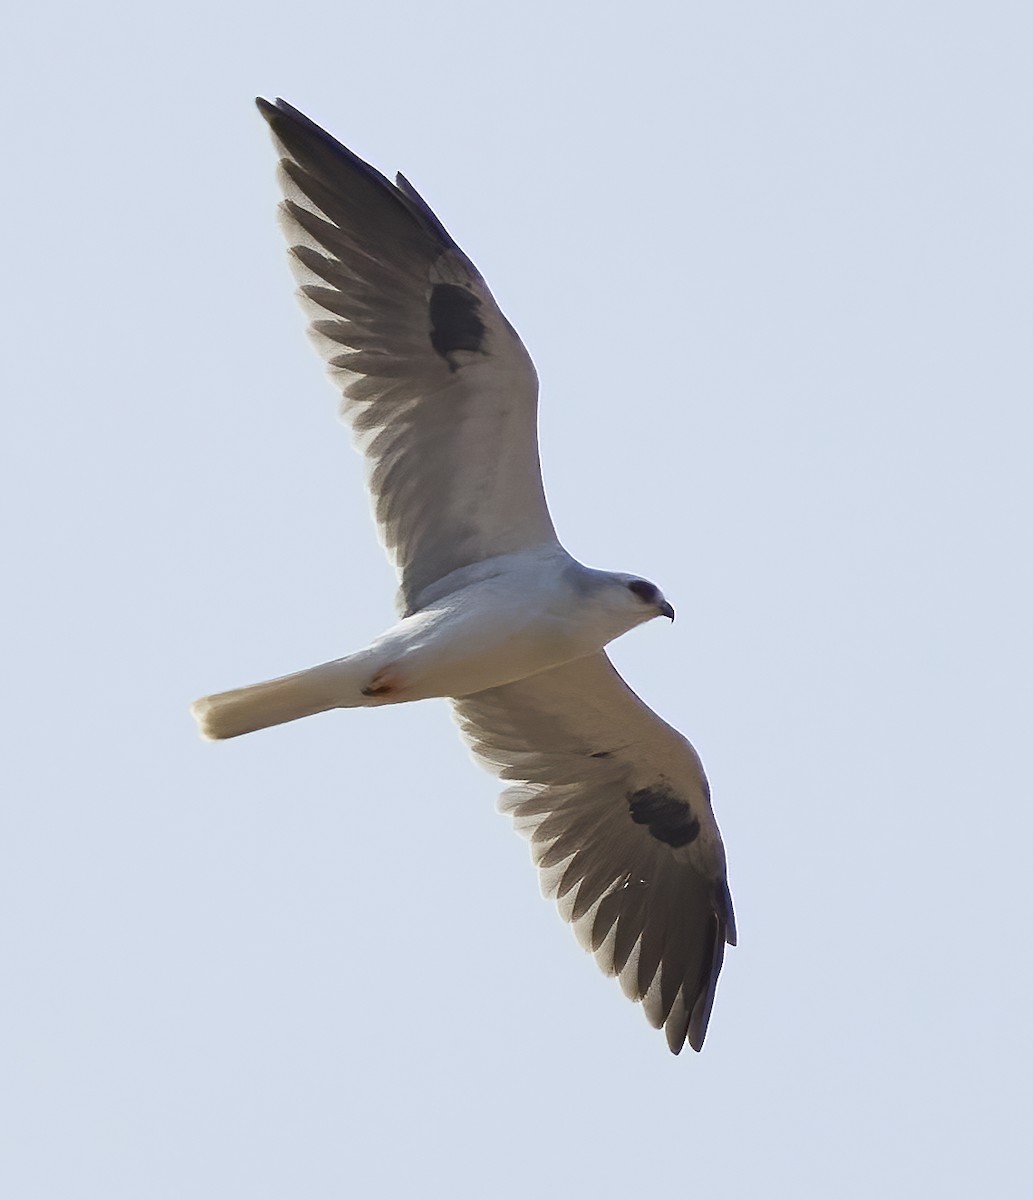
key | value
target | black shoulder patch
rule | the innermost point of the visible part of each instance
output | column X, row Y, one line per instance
column 669, row 819
column 454, row 321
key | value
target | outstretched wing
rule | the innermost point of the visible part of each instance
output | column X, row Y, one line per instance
column 439, row 390
column 617, row 809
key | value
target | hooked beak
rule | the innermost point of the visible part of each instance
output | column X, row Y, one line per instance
column 665, row 610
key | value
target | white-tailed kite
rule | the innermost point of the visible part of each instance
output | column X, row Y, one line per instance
column 442, row 397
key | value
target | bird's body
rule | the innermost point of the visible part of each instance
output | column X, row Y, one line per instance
column 500, row 620
column 496, row 615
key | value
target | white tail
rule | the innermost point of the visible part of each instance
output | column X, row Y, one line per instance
column 243, row 710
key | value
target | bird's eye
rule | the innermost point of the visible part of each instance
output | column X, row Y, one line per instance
column 645, row 591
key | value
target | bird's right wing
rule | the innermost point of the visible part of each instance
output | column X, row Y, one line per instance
column 617, row 809
column 439, row 390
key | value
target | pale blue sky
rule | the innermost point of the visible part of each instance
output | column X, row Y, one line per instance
column 773, row 262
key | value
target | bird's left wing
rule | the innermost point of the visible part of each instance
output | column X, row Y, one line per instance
column 438, row 389
column 617, row 809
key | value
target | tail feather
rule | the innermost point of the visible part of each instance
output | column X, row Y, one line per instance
column 243, row 710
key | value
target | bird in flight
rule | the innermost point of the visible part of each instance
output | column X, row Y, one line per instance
column 442, row 397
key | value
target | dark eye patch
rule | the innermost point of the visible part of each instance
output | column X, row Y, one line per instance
column 644, row 591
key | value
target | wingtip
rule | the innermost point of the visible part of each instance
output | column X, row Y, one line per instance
column 677, row 1047
column 727, row 912
column 302, row 139
column 277, row 109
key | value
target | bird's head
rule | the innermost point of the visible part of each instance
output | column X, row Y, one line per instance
column 645, row 598
column 625, row 601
